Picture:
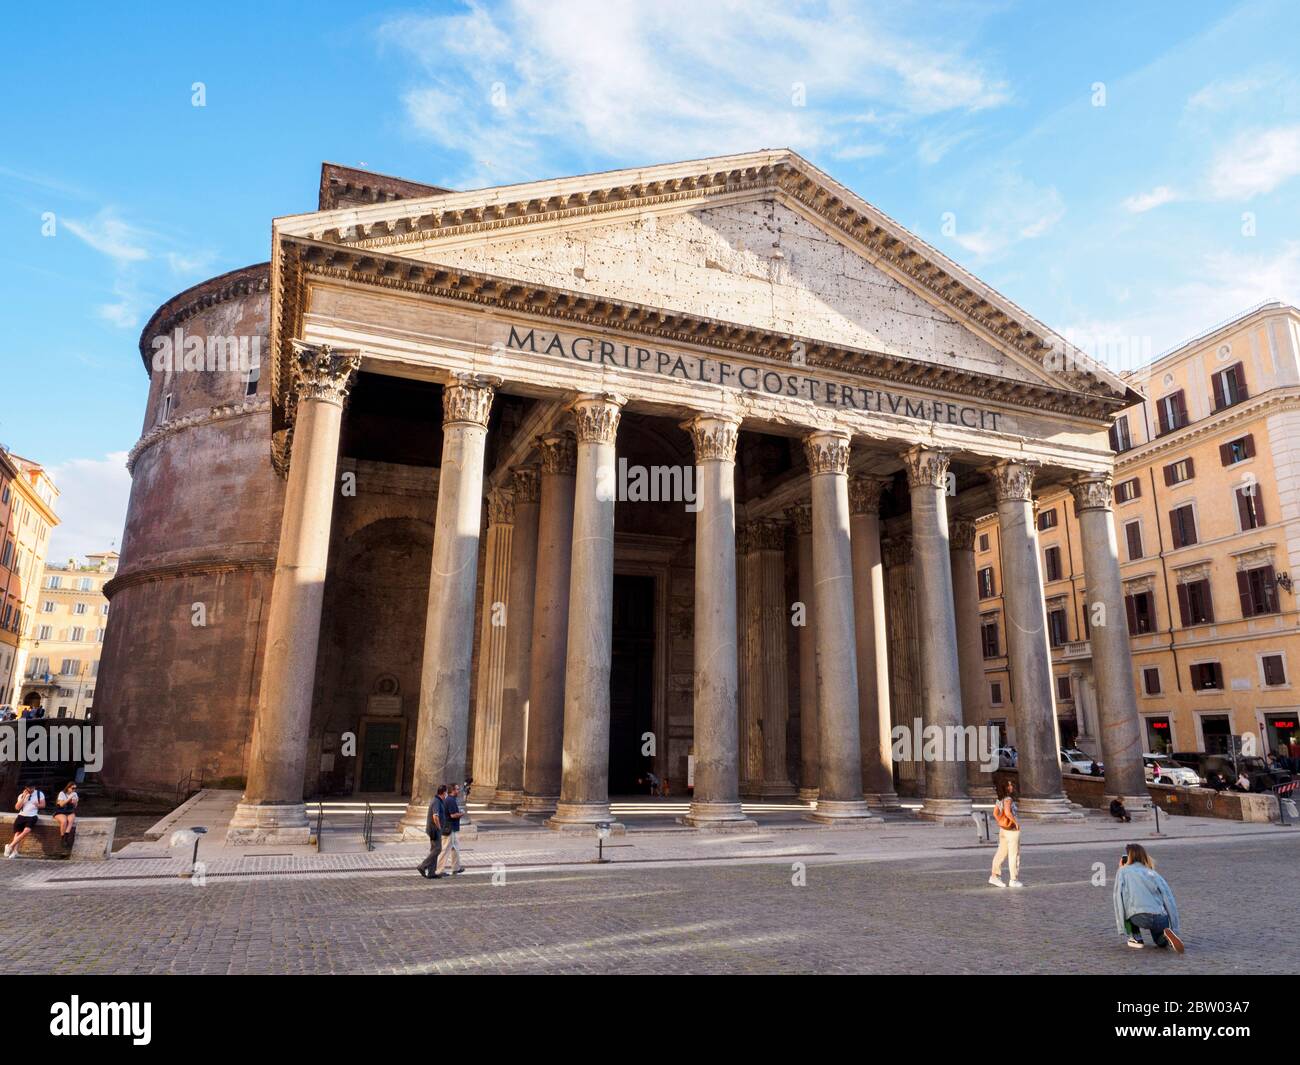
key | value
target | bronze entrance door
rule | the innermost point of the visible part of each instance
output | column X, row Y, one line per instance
column 631, row 682
column 381, row 755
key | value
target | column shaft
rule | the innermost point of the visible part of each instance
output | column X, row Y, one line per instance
column 442, row 729
column 945, row 776
column 970, row 647
column 519, row 638
column 809, row 733
column 839, row 793
column 543, row 751
column 1112, row 661
column 1029, row 657
column 584, row 784
column 490, row 683
column 871, row 642
column 768, row 669
column 272, row 810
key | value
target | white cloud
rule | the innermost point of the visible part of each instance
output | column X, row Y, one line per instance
column 1146, row 201
column 92, row 501
column 1012, row 209
column 673, row 80
column 1255, row 162
column 1223, row 93
column 109, row 235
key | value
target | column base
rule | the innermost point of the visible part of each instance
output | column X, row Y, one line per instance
column 946, row 811
column 1055, row 808
column 1139, row 807
column 777, row 789
column 537, row 804
column 843, row 813
column 983, row 793
column 718, row 817
column 882, row 800
column 510, row 797
column 273, row 824
column 808, row 794
column 583, row 817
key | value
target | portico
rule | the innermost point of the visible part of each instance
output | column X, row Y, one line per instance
column 880, row 397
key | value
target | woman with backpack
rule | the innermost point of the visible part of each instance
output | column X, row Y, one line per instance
column 1004, row 813
column 1144, row 899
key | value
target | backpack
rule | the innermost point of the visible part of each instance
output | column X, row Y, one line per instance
column 1002, row 814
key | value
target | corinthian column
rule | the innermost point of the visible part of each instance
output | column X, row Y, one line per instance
column 839, row 792
column 1029, row 660
column 543, row 751
column 584, row 784
column 766, row 662
column 945, row 776
column 519, row 637
column 716, row 802
column 871, row 647
column 801, row 516
column 490, row 682
column 1112, row 663
column 443, row 725
column 970, row 648
column 271, row 810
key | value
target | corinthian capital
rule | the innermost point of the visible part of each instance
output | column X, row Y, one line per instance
column 765, row 534
column 1092, row 491
column 714, row 437
column 896, row 551
column 527, row 486
column 467, row 399
column 1012, row 481
column 559, row 452
column 595, row 417
column 501, row 506
column 800, row 516
column 827, row 452
column 864, row 493
column 926, row 468
column 323, row 373
column 961, row 534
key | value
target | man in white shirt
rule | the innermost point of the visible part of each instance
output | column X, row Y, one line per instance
column 30, row 802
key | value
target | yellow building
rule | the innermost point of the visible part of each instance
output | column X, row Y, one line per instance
column 67, row 636
column 1207, row 523
column 27, row 497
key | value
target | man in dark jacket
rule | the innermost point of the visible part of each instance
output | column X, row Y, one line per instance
column 435, row 825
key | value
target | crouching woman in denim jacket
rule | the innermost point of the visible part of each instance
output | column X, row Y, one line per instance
column 1144, row 899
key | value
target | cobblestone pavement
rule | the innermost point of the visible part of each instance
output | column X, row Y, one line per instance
column 924, row 914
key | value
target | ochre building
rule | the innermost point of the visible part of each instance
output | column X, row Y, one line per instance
column 1207, row 516
column 418, row 543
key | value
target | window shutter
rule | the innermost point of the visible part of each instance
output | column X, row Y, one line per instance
column 1259, row 506
column 1220, row 401
column 1191, row 467
column 1239, row 377
column 1250, row 445
column 1243, row 509
column 1169, row 475
column 1225, row 454
column 1180, row 408
column 1130, row 608
column 1243, row 590
column 1162, row 415
column 1269, row 584
column 1176, row 528
column 1184, row 606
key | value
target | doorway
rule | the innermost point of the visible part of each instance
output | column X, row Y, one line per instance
column 381, row 755
column 631, row 682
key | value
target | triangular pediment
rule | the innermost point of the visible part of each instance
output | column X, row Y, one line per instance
column 763, row 240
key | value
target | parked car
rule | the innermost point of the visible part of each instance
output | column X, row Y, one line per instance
column 1221, row 772
column 1074, row 760
column 1161, row 769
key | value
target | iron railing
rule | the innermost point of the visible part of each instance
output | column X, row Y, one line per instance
column 368, row 828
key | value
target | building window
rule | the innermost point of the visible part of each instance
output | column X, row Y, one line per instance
column 1250, row 506
column 1126, row 490
column 1195, row 604
column 250, row 380
column 1229, row 386
column 995, row 693
column 48, row 606
column 1047, row 519
column 1180, row 471
column 984, row 541
column 986, row 583
column 69, row 667
column 7, row 555
column 165, row 410
column 79, row 608
column 1052, row 563
column 1258, row 591
column 45, row 632
column 1207, row 676
column 1172, row 412
column 1133, row 536
column 1140, row 608
column 54, row 582
column 85, row 584
column 1120, row 440
column 1058, row 632
column 989, row 638
column 1182, row 524
column 1274, row 670
column 1238, row 450
column 77, row 635
column 1063, row 689
column 1151, row 680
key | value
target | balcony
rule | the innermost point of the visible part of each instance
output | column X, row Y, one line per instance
column 1074, row 651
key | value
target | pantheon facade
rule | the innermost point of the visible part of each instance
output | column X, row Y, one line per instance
column 418, row 544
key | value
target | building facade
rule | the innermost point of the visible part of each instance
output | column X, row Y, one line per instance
column 1207, row 514
column 27, row 517
column 67, row 636
column 674, row 469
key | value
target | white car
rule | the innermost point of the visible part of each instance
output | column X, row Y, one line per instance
column 1074, row 760
column 1160, row 768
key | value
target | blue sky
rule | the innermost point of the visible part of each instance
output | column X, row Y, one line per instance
column 1130, row 174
